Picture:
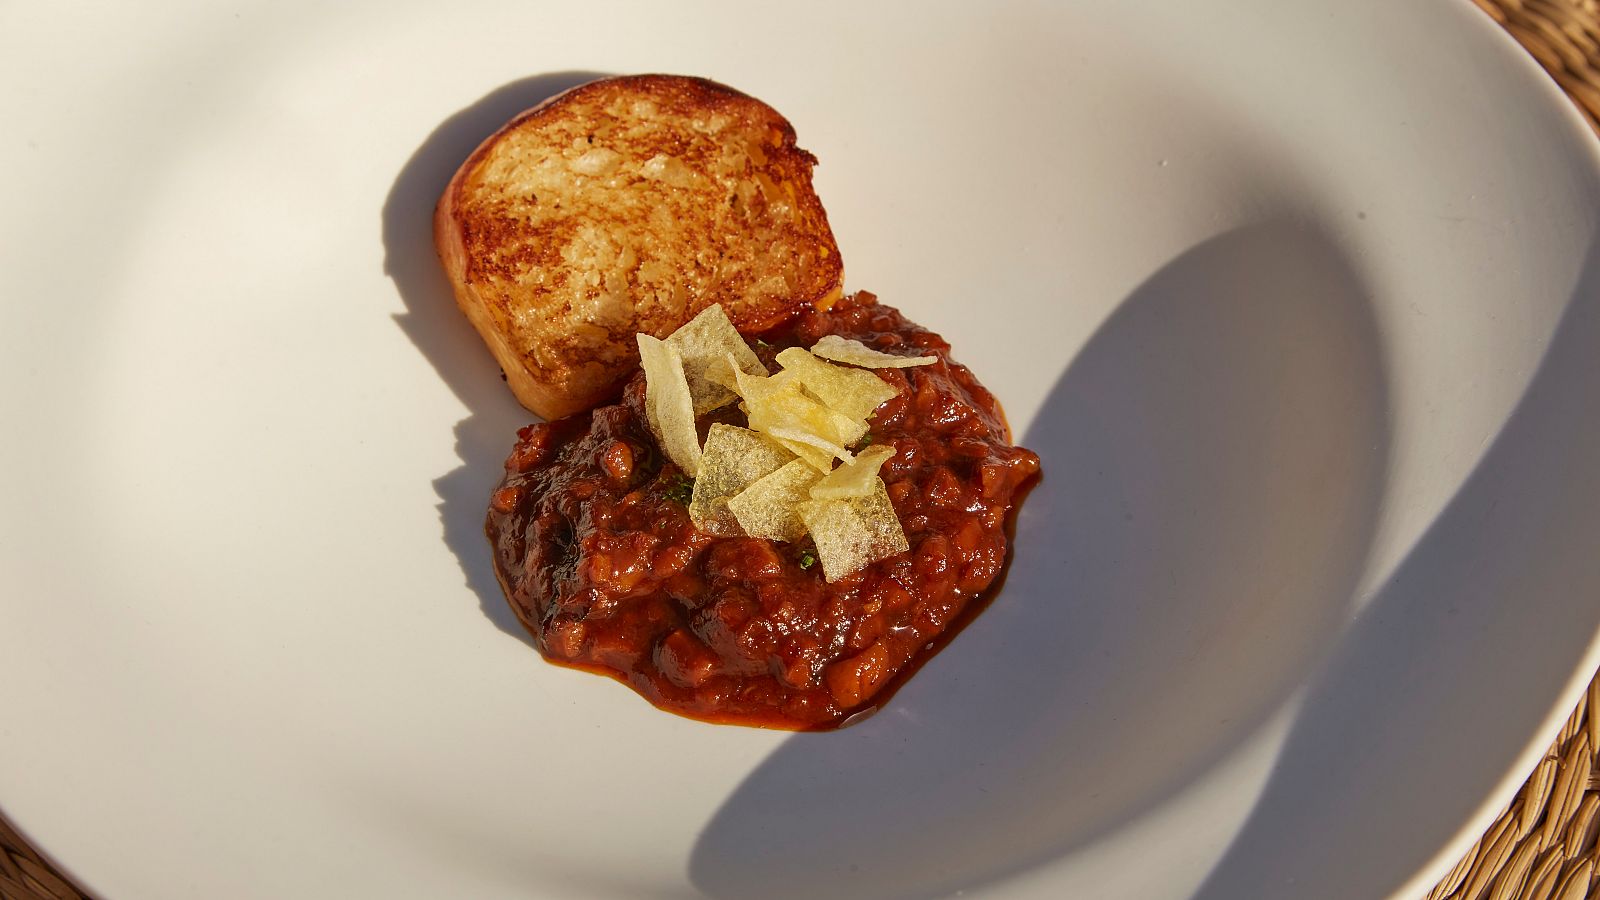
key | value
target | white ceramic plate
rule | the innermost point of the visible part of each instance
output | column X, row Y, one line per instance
column 1298, row 301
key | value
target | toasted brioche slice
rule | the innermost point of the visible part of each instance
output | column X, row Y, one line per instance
column 629, row 205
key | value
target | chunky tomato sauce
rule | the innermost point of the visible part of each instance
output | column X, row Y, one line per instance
column 594, row 548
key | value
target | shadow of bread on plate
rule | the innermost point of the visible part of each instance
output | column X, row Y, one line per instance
column 629, row 205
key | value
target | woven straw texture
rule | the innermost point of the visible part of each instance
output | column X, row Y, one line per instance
column 1542, row 846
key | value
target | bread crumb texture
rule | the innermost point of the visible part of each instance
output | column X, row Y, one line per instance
column 630, row 205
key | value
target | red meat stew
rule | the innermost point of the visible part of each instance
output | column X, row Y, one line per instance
column 594, row 548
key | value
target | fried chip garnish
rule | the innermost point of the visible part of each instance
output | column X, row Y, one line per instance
column 852, row 534
column 768, row 507
column 816, row 451
column 852, row 392
column 705, row 343
column 845, row 350
column 733, row 459
column 777, row 406
column 777, row 479
column 853, row 479
column 758, row 388
column 794, row 410
column 669, row 408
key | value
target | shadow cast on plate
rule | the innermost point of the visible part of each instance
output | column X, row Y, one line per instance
column 1214, row 458
column 1440, row 657
column 433, row 322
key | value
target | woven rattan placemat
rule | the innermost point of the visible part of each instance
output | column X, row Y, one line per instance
column 1542, row 847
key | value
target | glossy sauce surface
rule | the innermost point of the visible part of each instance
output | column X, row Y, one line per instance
column 595, row 551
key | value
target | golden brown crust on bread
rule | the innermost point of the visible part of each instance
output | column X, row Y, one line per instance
column 624, row 205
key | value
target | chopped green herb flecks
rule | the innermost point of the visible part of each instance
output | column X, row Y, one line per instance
column 807, row 559
column 678, row 488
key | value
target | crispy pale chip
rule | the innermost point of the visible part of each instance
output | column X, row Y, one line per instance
column 817, row 458
column 705, row 342
column 720, row 372
column 819, row 452
column 667, row 403
column 766, row 509
column 856, row 353
column 794, row 410
column 755, row 388
column 775, row 480
column 733, row 458
column 777, row 407
column 727, row 373
column 852, row 392
column 853, row 479
column 852, row 534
